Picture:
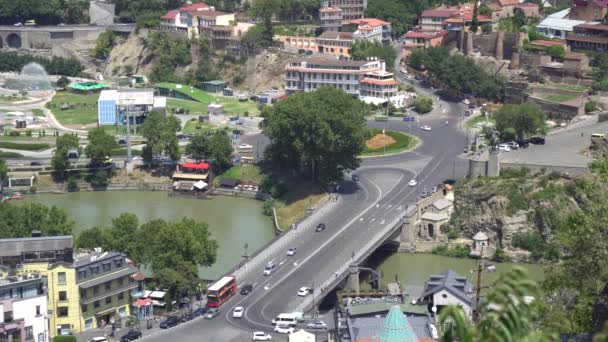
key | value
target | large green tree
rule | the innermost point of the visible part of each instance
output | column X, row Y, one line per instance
column 160, row 132
column 199, row 147
column 321, row 131
column 216, row 148
column 524, row 119
column 364, row 49
column 3, row 176
column 100, row 145
column 63, row 144
column 20, row 221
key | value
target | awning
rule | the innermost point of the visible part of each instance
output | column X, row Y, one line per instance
column 157, row 294
column 142, row 302
column 192, row 176
column 100, row 313
column 197, row 166
column 200, row 185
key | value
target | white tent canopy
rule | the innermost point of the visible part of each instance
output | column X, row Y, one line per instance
column 200, row 185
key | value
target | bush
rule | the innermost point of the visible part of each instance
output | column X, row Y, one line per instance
column 453, row 234
column 64, row 339
column 590, row 106
column 33, row 190
column 534, row 243
column 500, row 255
column 99, row 180
column 14, row 133
column 72, row 184
column 423, row 105
column 459, row 251
column 486, row 28
column 268, row 205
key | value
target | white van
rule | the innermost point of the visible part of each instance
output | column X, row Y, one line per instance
column 290, row 319
column 504, row 147
column 269, row 267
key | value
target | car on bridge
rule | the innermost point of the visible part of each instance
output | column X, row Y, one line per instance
column 316, row 325
column 261, row 336
column 304, row 291
column 413, row 182
column 425, row 128
column 238, row 312
column 131, row 336
column 291, row 251
column 246, row 289
column 320, row 227
column 284, row 329
column 171, row 321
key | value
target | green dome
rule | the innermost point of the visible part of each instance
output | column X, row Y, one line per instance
column 396, row 328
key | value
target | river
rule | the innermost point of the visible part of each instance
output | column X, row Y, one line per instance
column 415, row 269
column 233, row 221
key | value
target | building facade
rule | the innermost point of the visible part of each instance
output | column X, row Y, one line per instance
column 378, row 84
column 114, row 106
column 372, row 29
column 330, row 18
column 588, row 37
column 432, row 20
column 351, row 9
column 335, row 43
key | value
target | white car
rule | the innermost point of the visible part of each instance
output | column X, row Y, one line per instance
column 283, row 329
column 413, row 182
column 244, row 147
column 238, row 312
column 425, row 128
column 466, row 101
column 261, row 336
column 291, row 251
column 303, row 291
column 316, row 325
column 504, row 147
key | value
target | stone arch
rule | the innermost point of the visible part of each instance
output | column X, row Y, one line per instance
column 13, row 40
column 431, row 230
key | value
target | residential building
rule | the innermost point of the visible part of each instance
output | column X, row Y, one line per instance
column 462, row 21
column 507, row 7
column 335, row 43
column 23, row 307
column 330, row 18
column 558, row 24
column 432, row 20
column 378, row 84
column 351, row 9
column 372, row 29
column 529, row 9
column 104, row 283
column 207, row 19
column 588, row 37
column 448, row 288
column 172, row 21
column 114, row 106
column 589, row 10
column 421, row 39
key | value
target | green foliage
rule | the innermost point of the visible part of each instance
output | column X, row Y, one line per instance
column 485, row 10
column 92, row 238
column 364, row 49
column 525, row 119
column 534, row 35
column 517, row 201
column 423, row 104
column 600, row 71
column 402, row 142
column 268, row 205
column 500, row 255
column 458, row 251
column 590, row 106
column 519, row 18
column 457, row 72
column 105, row 43
column 554, row 50
column 453, row 234
column 216, row 148
column 14, row 61
column 100, row 145
column 486, row 28
column 161, row 139
column 72, row 185
column 321, row 131
column 63, row 144
column 171, row 53
column 533, row 242
column 63, row 82
column 20, row 221
column 99, row 179
column 64, row 339
column 3, row 175
column 24, row 147
column 258, row 37
column 285, row 10
column 504, row 315
column 474, row 21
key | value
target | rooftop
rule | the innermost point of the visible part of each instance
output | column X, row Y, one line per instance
column 374, row 22
column 330, row 62
column 336, row 35
column 84, row 259
column 442, row 203
column 425, row 34
column 542, row 42
column 451, row 282
column 15, row 247
column 362, row 328
column 480, row 236
column 170, row 15
column 598, row 26
column 396, row 328
column 508, row 2
column 559, row 24
column 434, row 216
column 196, row 7
column 209, row 13
column 437, row 13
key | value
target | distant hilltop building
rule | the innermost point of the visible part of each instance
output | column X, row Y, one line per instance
column 334, row 12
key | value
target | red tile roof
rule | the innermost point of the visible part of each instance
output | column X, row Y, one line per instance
column 598, row 27
column 526, row 4
column 369, row 21
column 170, row 15
column 547, row 43
column 494, row 7
column 196, row 7
column 508, row 2
column 437, row 13
column 425, row 34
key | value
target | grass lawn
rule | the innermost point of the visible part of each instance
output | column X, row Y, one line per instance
column 246, row 173
column 477, row 119
column 294, row 205
column 559, row 98
column 10, row 155
column 232, row 106
column 192, row 106
column 37, row 112
column 24, row 147
column 400, row 142
column 82, row 111
column 194, row 126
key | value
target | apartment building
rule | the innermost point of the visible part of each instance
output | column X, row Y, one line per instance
column 588, row 37
column 23, row 307
column 378, row 84
column 432, row 20
column 421, row 39
column 335, row 43
column 330, row 18
column 351, row 9
column 104, row 283
column 372, row 29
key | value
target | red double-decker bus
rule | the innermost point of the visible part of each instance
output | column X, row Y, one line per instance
column 221, row 291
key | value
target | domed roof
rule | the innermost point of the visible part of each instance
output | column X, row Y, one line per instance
column 396, row 328
column 480, row 236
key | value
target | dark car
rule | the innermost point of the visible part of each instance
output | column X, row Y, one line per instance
column 131, row 336
column 186, row 317
column 199, row 312
column 409, row 118
column 246, row 289
column 537, row 140
column 301, row 51
column 308, row 53
column 471, row 105
column 418, row 78
column 523, row 143
column 320, row 227
column 355, row 178
column 35, row 163
column 171, row 321
column 425, row 194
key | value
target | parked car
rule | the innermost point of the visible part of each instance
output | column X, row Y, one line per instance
column 316, row 325
column 98, row 339
column 471, row 105
column 355, row 177
column 246, row 289
column 513, row 145
column 238, row 312
column 320, row 227
column 413, row 182
column 35, row 163
column 523, row 143
column 261, row 336
column 284, row 329
column 171, row 321
column 466, row 101
column 425, row 194
column 504, row 147
column 467, row 113
column 291, row 251
column 409, row 118
column 212, row 313
column 301, row 51
column 308, row 53
column 131, row 336
column 425, row 128
column 200, row 311
column 304, row 291
column 186, row 317
column 537, row 140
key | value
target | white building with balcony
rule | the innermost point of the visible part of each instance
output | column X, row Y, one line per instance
column 372, row 29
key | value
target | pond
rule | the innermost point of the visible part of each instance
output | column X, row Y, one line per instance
column 233, row 221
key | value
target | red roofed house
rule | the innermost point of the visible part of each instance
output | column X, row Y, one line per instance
column 421, row 39
column 432, row 20
column 372, row 29
column 179, row 20
column 529, row 9
column 463, row 20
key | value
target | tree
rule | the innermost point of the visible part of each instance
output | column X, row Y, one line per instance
column 100, row 145
column 220, row 151
column 321, row 131
column 519, row 18
column 364, row 49
column 161, row 139
column 124, row 239
column 63, row 144
column 63, row 82
column 3, row 176
column 92, row 238
column 423, row 105
column 199, row 148
column 505, row 315
column 486, row 28
column 485, row 10
column 104, row 45
column 524, row 119
column 20, row 221
column 475, row 20
column 267, row 34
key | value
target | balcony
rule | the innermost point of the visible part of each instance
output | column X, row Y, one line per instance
column 111, row 292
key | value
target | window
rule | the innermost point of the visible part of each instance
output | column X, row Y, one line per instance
column 121, row 296
column 88, row 324
column 108, row 300
column 108, row 285
column 62, row 311
column 95, row 289
column 94, row 270
column 37, row 310
column 29, row 333
column 96, row 304
column 61, row 278
column 120, row 281
column 8, row 316
column 82, row 274
column 63, row 295
column 106, row 266
column 84, row 307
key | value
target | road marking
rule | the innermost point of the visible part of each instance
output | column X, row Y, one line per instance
column 382, row 222
column 282, row 262
column 372, row 220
